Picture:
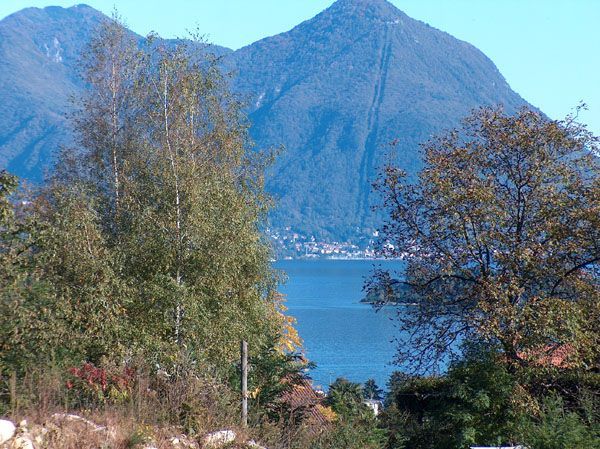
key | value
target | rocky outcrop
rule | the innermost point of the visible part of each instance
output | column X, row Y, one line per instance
column 21, row 442
column 12, row 437
column 183, row 441
column 74, row 429
column 7, row 430
column 66, row 417
column 218, row 439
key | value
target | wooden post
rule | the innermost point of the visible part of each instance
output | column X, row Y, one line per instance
column 244, row 364
column 12, row 387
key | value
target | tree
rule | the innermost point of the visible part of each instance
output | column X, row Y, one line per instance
column 88, row 297
column 148, row 236
column 356, row 425
column 559, row 428
column 8, row 185
column 500, row 233
column 191, row 208
column 110, row 66
column 58, row 289
column 345, row 397
column 476, row 403
column 372, row 391
column 26, row 330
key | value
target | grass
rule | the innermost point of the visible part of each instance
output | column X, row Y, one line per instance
column 151, row 413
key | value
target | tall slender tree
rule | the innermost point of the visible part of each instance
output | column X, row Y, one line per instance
column 110, row 67
column 147, row 239
column 179, row 192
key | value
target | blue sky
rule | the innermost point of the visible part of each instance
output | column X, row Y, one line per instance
column 548, row 50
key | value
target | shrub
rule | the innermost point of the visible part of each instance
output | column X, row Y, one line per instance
column 558, row 428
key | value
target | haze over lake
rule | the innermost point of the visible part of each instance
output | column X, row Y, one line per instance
column 341, row 335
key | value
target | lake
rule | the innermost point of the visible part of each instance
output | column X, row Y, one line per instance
column 342, row 336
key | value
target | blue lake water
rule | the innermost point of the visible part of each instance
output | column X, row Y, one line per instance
column 341, row 335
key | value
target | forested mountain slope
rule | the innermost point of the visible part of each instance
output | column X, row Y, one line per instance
column 335, row 91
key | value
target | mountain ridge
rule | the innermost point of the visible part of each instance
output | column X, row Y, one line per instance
column 38, row 77
column 390, row 65
column 334, row 90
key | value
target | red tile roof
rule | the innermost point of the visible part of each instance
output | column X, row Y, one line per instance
column 556, row 356
column 303, row 399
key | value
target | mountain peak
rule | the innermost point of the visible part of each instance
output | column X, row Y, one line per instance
column 83, row 8
column 49, row 13
column 363, row 3
column 375, row 9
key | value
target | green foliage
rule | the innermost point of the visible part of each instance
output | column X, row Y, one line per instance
column 351, row 435
column 556, row 427
column 272, row 374
column 181, row 200
column 25, row 299
column 471, row 405
column 481, row 402
column 129, row 279
column 501, row 233
column 372, row 391
column 346, row 398
column 89, row 298
column 8, row 185
column 356, row 425
column 410, row 405
column 146, row 243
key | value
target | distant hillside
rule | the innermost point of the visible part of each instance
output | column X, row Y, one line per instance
column 39, row 49
column 335, row 91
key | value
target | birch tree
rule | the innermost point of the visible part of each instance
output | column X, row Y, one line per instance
column 149, row 237
column 177, row 165
column 103, row 122
column 196, row 190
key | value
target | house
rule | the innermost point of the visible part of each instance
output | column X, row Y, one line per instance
column 303, row 403
column 374, row 405
column 556, row 356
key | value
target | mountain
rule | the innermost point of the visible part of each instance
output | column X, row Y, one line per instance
column 338, row 88
column 39, row 50
column 335, row 91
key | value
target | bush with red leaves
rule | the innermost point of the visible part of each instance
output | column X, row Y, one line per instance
column 98, row 383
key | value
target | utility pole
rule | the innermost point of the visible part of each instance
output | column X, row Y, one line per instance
column 244, row 364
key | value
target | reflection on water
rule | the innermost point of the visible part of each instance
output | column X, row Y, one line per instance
column 344, row 337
